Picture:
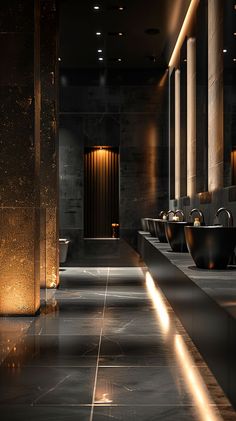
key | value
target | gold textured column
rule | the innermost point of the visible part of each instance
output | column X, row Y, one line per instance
column 19, row 160
column 215, row 95
column 49, row 145
column 177, row 134
column 191, row 117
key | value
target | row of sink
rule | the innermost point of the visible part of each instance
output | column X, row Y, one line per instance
column 211, row 247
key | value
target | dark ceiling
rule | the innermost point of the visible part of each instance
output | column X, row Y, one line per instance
column 79, row 23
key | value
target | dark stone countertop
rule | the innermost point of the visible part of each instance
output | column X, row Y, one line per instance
column 220, row 285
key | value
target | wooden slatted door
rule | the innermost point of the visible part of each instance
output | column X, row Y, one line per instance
column 101, row 191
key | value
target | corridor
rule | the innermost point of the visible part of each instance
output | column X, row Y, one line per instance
column 106, row 346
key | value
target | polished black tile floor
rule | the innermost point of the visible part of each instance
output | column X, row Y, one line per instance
column 107, row 346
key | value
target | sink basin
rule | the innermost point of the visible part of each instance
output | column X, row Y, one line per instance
column 152, row 227
column 144, row 224
column 159, row 225
column 211, row 247
column 176, row 236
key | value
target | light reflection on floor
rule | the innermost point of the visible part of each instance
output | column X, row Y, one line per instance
column 107, row 345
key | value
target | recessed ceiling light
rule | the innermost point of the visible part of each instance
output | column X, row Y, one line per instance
column 96, row 7
column 224, row 50
column 119, row 59
column 59, row 59
column 235, row 34
column 185, row 59
column 152, row 58
column 98, row 33
column 100, row 58
column 234, row 59
column 99, row 51
column 115, row 34
column 115, row 8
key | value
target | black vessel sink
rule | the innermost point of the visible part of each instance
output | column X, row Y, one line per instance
column 144, row 224
column 159, row 225
column 211, row 247
column 152, row 227
column 176, row 236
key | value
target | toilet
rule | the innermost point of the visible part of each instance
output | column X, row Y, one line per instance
column 63, row 249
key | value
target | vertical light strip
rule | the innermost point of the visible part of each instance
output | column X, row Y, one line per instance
column 191, row 117
column 177, row 134
column 183, row 32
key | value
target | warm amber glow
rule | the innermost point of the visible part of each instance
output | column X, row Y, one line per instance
column 195, row 383
column 233, row 166
column 158, row 303
column 103, row 399
column 183, row 32
column 152, row 142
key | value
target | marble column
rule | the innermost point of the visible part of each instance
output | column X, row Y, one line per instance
column 19, row 158
column 191, row 117
column 215, row 95
column 177, row 134
column 49, row 144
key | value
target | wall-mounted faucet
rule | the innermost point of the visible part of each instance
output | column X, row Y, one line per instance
column 169, row 213
column 228, row 213
column 180, row 212
column 199, row 213
column 161, row 214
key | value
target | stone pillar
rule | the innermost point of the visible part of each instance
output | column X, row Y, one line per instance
column 49, row 144
column 191, row 117
column 215, row 95
column 19, row 158
column 177, row 134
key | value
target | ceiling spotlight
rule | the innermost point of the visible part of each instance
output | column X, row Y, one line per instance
column 96, row 7
column 185, row 59
column 116, row 34
column 234, row 59
column 98, row 33
column 59, row 59
column 119, row 59
column 235, row 34
column 100, row 58
column 121, row 8
column 224, row 50
column 99, row 51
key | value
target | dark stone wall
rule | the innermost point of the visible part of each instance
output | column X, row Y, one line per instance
column 133, row 118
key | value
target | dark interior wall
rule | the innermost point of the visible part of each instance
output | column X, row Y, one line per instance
column 131, row 117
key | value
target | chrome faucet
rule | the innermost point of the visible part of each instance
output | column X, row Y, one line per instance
column 180, row 212
column 169, row 212
column 228, row 213
column 200, row 214
column 162, row 213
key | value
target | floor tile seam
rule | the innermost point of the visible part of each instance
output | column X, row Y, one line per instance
column 99, row 348
column 114, row 405
column 62, row 366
